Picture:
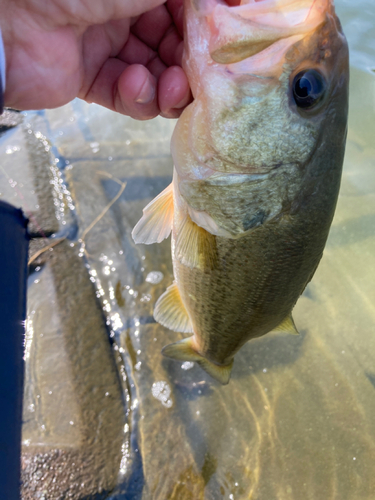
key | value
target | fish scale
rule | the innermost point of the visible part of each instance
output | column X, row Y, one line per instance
column 276, row 275
column 258, row 157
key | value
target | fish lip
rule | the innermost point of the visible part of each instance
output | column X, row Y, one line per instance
column 261, row 30
column 259, row 7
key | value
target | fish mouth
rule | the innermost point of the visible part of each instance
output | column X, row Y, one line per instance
column 242, row 30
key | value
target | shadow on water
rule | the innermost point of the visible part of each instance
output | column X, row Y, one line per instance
column 371, row 377
column 310, row 293
column 268, row 352
column 194, row 389
column 189, row 389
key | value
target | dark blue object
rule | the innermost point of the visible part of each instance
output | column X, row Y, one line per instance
column 13, row 274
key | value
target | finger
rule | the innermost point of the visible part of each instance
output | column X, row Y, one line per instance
column 152, row 25
column 101, row 90
column 171, row 48
column 130, row 8
column 136, row 52
column 156, row 67
column 176, row 9
column 96, row 48
column 134, row 7
column 77, row 13
column 173, row 92
column 127, row 89
column 136, row 94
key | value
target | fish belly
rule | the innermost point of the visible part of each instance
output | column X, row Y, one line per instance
column 256, row 282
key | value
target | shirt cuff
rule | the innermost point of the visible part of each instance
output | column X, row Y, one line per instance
column 2, row 73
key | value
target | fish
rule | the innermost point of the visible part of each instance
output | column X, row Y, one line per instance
column 257, row 157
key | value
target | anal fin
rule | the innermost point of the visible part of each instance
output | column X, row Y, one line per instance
column 156, row 222
column 184, row 351
column 170, row 311
column 195, row 247
column 286, row 326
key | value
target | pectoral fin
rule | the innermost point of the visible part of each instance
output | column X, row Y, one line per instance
column 195, row 247
column 184, row 351
column 286, row 326
column 170, row 311
column 156, row 222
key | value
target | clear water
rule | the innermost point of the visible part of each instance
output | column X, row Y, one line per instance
column 120, row 421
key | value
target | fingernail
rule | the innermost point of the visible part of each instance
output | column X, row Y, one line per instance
column 147, row 92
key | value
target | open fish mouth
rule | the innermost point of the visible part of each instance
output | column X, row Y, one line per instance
column 243, row 30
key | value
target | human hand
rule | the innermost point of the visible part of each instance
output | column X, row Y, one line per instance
column 122, row 54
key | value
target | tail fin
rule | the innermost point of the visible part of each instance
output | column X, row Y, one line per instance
column 184, row 351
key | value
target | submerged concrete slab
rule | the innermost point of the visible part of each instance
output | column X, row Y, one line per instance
column 31, row 179
column 74, row 417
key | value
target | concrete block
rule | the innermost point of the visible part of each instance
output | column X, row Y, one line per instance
column 74, row 416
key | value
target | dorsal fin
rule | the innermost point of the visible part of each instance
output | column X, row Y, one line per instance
column 156, row 222
column 286, row 326
column 170, row 311
column 184, row 351
column 195, row 247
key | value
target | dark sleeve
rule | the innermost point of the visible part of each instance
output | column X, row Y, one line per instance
column 13, row 275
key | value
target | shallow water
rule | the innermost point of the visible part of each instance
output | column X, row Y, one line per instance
column 119, row 420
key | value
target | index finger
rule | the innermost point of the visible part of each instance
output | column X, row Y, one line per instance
column 176, row 9
column 152, row 25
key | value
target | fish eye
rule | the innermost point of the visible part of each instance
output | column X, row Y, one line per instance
column 309, row 88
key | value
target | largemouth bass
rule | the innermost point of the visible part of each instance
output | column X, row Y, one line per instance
column 258, row 158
